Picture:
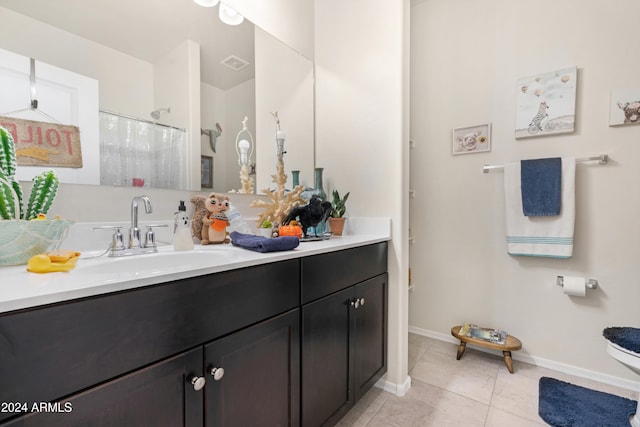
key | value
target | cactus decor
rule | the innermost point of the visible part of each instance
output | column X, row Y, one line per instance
column 44, row 189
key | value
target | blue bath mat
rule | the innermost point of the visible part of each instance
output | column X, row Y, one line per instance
column 562, row 404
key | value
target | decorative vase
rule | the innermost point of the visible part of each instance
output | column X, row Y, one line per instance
column 266, row 232
column 337, row 225
column 318, row 184
column 320, row 228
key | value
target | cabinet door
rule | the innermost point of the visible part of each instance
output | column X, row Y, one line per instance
column 326, row 362
column 370, row 334
column 159, row 395
column 260, row 384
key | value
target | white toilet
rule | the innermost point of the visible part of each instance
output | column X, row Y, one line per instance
column 628, row 358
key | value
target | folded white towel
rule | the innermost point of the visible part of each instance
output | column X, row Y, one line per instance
column 544, row 236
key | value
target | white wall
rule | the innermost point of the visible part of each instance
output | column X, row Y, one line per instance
column 288, row 20
column 213, row 111
column 126, row 83
column 361, row 110
column 466, row 58
column 243, row 105
column 288, row 89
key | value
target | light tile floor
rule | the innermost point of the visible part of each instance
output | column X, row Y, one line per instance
column 477, row 390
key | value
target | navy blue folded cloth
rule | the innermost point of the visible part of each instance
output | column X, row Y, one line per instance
column 541, row 186
column 264, row 244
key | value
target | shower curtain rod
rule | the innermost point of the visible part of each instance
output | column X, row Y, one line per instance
column 602, row 159
column 124, row 116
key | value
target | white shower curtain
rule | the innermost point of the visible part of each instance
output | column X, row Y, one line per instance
column 139, row 153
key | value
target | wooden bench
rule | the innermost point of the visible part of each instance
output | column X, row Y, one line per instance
column 511, row 344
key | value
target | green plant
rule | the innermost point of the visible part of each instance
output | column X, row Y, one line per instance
column 266, row 224
column 43, row 192
column 338, row 205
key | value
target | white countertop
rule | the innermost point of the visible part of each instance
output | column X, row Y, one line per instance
column 20, row 289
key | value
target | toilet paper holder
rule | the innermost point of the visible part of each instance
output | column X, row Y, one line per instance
column 589, row 283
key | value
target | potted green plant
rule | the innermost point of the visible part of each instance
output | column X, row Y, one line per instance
column 338, row 208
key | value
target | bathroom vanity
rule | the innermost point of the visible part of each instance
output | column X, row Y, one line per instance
column 290, row 338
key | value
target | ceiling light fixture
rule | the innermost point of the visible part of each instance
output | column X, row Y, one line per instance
column 229, row 16
column 206, row 3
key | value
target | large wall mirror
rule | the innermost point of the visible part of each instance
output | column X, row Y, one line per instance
column 175, row 67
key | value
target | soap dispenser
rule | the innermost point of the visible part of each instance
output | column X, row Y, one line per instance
column 182, row 240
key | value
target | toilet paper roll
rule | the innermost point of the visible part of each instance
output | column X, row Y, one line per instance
column 575, row 286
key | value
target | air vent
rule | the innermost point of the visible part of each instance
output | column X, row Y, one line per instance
column 234, row 62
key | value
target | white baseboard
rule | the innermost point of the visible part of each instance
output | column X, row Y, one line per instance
column 393, row 388
column 539, row 361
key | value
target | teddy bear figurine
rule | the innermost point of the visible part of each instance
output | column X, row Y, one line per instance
column 210, row 220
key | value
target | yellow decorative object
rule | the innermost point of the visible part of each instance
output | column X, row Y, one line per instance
column 247, row 182
column 50, row 263
column 21, row 239
column 280, row 203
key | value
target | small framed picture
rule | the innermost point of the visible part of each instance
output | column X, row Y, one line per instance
column 546, row 103
column 625, row 107
column 206, row 171
column 472, row 139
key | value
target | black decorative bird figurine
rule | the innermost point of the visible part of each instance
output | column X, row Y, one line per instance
column 311, row 214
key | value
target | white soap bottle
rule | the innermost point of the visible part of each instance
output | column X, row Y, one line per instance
column 182, row 240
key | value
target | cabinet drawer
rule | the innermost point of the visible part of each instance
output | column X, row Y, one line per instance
column 53, row 351
column 327, row 273
column 158, row 395
column 260, row 385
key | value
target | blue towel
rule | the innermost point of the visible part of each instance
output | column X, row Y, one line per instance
column 625, row 337
column 541, row 186
column 264, row 244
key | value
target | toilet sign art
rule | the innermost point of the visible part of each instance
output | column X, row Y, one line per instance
column 44, row 144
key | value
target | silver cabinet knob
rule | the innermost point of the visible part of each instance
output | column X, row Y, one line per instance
column 358, row 302
column 197, row 382
column 217, row 373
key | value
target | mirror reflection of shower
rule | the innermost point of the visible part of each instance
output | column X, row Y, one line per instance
column 156, row 113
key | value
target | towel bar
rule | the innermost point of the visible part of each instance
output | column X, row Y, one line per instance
column 602, row 159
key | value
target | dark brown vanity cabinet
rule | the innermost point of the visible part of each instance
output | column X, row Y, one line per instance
column 136, row 357
column 288, row 343
column 344, row 330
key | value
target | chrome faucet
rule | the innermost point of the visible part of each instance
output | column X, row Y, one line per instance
column 134, row 231
column 136, row 245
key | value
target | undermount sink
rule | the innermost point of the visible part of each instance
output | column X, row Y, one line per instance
column 156, row 263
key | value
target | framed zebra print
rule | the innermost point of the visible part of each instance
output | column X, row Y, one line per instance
column 546, row 103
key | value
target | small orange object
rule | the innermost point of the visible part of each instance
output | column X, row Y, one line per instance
column 219, row 224
column 290, row 230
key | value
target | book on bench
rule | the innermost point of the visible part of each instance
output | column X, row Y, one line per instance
column 496, row 336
